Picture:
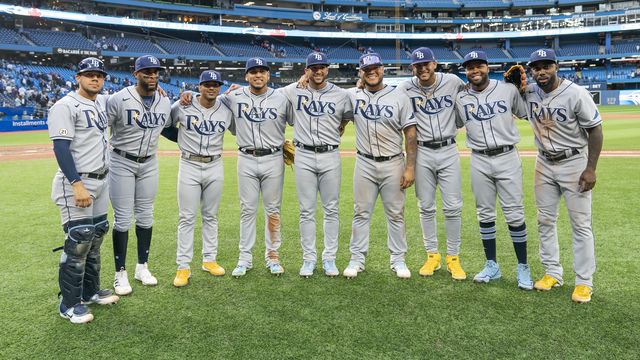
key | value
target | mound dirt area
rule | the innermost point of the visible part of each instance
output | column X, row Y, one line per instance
column 38, row 152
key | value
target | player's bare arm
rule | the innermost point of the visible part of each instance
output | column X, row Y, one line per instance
column 588, row 176
column 81, row 195
column 411, row 146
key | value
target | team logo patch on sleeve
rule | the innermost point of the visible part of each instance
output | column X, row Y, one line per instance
column 64, row 132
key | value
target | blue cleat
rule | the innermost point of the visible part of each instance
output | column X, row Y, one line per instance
column 524, row 277
column 275, row 268
column 307, row 268
column 490, row 272
column 78, row 314
column 330, row 268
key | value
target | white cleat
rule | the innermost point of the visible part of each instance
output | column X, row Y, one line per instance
column 103, row 297
column 352, row 270
column 144, row 275
column 121, row 283
column 401, row 270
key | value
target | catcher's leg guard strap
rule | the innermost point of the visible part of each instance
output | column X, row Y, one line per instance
column 91, row 281
column 72, row 261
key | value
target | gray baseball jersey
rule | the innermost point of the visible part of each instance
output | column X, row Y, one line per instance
column 259, row 123
column 379, row 118
column 259, row 120
column 200, row 132
column 559, row 120
column 434, row 106
column 488, row 115
column 84, row 123
column 317, row 115
column 434, row 109
column 81, row 120
column 135, row 128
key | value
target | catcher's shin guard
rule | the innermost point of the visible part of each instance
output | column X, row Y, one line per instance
column 91, row 282
column 80, row 234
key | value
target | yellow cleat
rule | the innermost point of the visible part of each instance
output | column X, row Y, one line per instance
column 213, row 268
column 581, row 294
column 546, row 283
column 182, row 277
column 453, row 266
column 431, row 265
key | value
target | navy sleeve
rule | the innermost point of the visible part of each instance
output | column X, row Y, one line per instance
column 62, row 150
column 170, row 133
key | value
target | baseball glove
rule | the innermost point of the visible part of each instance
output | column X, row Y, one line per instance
column 289, row 152
column 517, row 76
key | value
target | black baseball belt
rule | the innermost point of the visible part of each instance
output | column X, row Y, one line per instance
column 199, row 158
column 378, row 158
column 496, row 151
column 259, row 152
column 437, row 144
column 126, row 155
column 559, row 156
column 97, row 176
column 316, row 149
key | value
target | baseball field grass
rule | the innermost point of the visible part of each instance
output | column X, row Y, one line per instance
column 374, row 316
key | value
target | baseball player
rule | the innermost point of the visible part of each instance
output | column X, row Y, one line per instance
column 432, row 95
column 260, row 117
column 320, row 112
column 568, row 134
column 486, row 109
column 137, row 114
column 199, row 130
column 381, row 115
column 77, row 127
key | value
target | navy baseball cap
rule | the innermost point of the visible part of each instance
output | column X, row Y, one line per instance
column 542, row 55
column 256, row 62
column 475, row 55
column 422, row 55
column 371, row 59
column 91, row 64
column 211, row 75
column 148, row 62
column 317, row 58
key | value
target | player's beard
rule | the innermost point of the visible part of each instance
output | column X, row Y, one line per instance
column 480, row 83
column 147, row 87
column 548, row 84
column 372, row 84
column 316, row 83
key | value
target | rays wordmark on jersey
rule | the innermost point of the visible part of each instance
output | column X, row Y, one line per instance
column 484, row 112
column 256, row 113
column 98, row 120
column 542, row 113
column 431, row 106
column 205, row 127
column 147, row 120
column 372, row 112
column 315, row 107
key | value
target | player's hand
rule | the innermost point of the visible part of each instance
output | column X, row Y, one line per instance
column 408, row 177
column 186, row 98
column 161, row 91
column 360, row 84
column 587, row 180
column 341, row 129
column 81, row 195
column 303, row 82
column 231, row 88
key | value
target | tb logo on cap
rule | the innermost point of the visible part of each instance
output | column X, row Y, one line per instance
column 419, row 55
column 473, row 55
column 542, row 53
column 318, row 56
column 259, row 61
column 152, row 60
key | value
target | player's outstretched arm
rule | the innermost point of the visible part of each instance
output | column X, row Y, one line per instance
column 588, row 176
column 411, row 148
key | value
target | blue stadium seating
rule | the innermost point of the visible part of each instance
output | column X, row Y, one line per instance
column 534, row 3
column 8, row 36
column 183, row 47
column 492, row 53
column 519, row 52
column 486, row 4
column 578, row 49
column 626, row 47
column 241, row 49
column 132, row 44
column 59, row 39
